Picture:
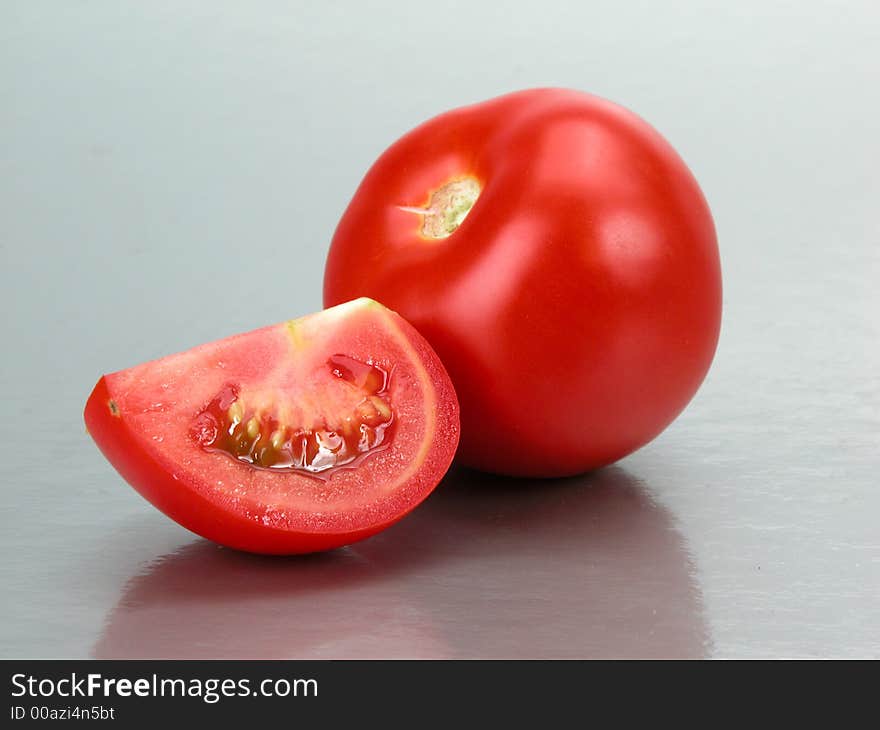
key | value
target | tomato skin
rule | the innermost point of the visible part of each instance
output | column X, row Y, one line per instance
column 578, row 305
column 188, row 497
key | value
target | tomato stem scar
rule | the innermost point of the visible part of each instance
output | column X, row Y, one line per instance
column 447, row 207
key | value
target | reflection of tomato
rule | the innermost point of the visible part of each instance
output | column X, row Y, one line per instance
column 204, row 602
column 487, row 567
column 300, row 437
column 561, row 259
column 584, row 567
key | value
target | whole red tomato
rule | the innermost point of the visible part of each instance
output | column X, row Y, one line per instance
column 561, row 259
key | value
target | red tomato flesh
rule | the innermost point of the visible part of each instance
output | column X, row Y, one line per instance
column 299, row 437
column 561, row 259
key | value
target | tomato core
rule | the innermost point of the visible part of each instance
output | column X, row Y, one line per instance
column 265, row 438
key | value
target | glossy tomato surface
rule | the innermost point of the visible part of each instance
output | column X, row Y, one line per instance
column 561, row 259
column 299, row 437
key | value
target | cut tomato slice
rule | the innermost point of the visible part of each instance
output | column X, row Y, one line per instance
column 294, row 438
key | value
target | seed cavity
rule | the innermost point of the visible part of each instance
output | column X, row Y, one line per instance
column 258, row 437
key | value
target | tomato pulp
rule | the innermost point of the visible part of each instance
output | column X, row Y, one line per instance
column 561, row 259
column 299, row 437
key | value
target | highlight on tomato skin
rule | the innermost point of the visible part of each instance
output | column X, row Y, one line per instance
column 559, row 256
column 294, row 438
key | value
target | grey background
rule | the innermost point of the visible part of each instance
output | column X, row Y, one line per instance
column 172, row 173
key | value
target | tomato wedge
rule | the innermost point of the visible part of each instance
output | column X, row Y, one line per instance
column 299, row 437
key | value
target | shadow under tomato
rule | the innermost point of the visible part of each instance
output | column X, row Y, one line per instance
column 486, row 567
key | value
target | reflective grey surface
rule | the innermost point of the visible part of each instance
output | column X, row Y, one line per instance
column 487, row 567
column 172, row 173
